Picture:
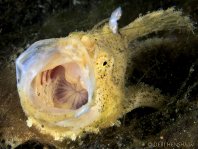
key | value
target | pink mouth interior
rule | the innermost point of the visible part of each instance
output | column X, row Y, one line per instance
column 65, row 93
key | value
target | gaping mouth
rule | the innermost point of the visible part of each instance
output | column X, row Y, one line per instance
column 62, row 85
column 56, row 82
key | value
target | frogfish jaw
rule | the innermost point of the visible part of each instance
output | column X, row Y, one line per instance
column 56, row 82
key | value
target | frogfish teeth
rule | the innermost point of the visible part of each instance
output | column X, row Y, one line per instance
column 68, row 86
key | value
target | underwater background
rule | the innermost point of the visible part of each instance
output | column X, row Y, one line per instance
column 171, row 68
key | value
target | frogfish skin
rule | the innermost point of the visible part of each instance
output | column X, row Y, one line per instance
column 74, row 85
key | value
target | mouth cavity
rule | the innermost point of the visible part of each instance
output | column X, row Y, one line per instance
column 63, row 86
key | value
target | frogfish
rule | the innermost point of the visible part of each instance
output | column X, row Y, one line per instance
column 75, row 85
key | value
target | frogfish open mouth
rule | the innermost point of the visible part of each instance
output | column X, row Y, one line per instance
column 73, row 85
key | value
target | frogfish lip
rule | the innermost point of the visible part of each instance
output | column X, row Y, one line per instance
column 55, row 77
